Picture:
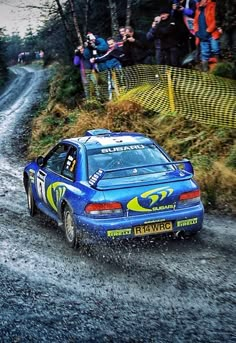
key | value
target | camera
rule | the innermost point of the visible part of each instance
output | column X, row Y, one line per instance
column 127, row 36
column 88, row 40
column 178, row 5
column 90, row 43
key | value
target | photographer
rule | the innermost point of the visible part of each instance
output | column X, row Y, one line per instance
column 183, row 12
column 165, row 29
column 85, row 67
column 96, row 46
column 185, row 7
column 151, row 37
column 136, row 47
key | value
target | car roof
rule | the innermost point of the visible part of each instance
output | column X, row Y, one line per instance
column 110, row 139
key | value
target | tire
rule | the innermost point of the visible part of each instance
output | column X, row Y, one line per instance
column 31, row 202
column 70, row 228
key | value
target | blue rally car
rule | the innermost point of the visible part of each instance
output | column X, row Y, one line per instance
column 110, row 185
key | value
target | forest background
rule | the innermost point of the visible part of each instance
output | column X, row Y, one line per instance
column 64, row 25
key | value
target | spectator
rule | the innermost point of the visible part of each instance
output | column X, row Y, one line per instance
column 96, row 46
column 151, row 37
column 121, row 36
column 165, row 30
column 206, row 31
column 21, row 57
column 36, row 55
column 41, row 54
column 85, row 67
column 113, row 59
column 226, row 24
column 183, row 12
column 136, row 47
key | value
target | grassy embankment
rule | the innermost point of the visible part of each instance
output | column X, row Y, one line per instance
column 211, row 149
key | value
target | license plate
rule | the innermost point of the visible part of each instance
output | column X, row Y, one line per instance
column 152, row 228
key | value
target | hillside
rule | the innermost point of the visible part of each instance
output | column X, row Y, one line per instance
column 212, row 149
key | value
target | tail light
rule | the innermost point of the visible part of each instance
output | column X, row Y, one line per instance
column 107, row 208
column 189, row 198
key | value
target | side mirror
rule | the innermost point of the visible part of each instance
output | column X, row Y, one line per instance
column 40, row 161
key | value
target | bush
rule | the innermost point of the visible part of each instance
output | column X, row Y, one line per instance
column 225, row 69
column 66, row 87
column 231, row 160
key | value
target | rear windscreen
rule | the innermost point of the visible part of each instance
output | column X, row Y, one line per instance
column 139, row 159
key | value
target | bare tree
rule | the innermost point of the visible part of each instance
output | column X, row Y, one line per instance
column 76, row 26
column 128, row 12
column 86, row 13
column 114, row 19
column 63, row 18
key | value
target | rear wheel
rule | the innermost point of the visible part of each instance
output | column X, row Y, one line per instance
column 30, row 200
column 70, row 228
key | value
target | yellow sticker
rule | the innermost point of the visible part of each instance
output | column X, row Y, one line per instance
column 54, row 194
column 155, row 196
column 186, row 222
column 116, row 233
column 73, row 165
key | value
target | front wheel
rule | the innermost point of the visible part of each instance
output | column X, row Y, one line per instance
column 31, row 202
column 70, row 228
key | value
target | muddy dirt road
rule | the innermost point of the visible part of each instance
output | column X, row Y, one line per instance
column 164, row 291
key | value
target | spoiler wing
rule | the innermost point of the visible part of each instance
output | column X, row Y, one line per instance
column 185, row 165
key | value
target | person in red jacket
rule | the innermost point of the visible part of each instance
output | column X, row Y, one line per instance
column 207, row 34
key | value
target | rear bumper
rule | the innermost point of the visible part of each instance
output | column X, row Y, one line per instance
column 186, row 220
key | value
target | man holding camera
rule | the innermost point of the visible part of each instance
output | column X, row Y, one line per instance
column 183, row 12
column 95, row 47
column 136, row 47
column 164, row 31
column 85, row 67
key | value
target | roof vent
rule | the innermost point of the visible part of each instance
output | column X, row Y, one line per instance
column 98, row 132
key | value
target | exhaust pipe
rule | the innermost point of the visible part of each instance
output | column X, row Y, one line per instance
column 179, row 234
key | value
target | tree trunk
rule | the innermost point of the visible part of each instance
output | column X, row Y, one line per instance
column 63, row 18
column 86, row 16
column 76, row 26
column 114, row 19
column 128, row 13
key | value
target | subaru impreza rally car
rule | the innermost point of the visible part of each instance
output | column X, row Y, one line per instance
column 114, row 185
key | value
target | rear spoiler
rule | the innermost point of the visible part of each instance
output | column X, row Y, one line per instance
column 185, row 165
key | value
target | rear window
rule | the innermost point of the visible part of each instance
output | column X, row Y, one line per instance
column 140, row 160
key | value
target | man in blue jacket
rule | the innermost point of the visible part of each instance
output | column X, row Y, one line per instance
column 95, row 47
column 113, row 61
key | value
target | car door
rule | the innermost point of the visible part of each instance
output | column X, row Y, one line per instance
column 58, row 171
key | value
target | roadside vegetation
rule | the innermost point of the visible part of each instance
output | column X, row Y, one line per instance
column 212, row 150
column 3, row 64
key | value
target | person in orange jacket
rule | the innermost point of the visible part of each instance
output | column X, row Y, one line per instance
column 207, row 34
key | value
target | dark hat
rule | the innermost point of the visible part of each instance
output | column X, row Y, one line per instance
column 164, row 9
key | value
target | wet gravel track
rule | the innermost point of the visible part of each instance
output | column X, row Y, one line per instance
column 160, row 291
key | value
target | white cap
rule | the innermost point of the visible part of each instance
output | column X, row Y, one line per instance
column 91, row 36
